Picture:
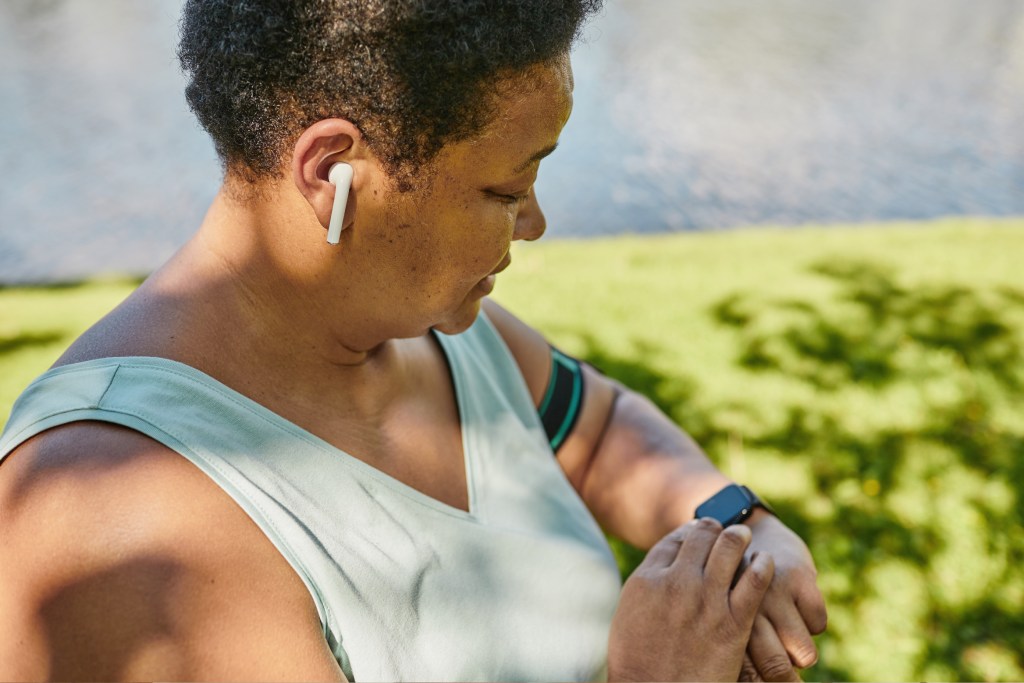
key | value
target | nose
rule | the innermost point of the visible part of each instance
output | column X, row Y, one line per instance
column 530, row 223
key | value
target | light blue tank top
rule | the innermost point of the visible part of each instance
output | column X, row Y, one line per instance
column 522, row 587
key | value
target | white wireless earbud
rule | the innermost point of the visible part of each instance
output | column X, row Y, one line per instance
column 340, row 176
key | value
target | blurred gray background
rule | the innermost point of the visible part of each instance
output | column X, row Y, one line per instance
column 689, row 115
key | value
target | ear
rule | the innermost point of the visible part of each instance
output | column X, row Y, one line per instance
column 319, row 147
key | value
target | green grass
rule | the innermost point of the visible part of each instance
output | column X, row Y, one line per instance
column 38, row 323
column 868, row 381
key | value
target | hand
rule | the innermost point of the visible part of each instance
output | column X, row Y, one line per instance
column 793, row 609
column 749, row 672
column 677, row 618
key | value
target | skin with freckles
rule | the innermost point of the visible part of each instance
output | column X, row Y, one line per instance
column 337, row 340
column 437, row 245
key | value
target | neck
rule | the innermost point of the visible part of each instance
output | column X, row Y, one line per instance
column 286, row 288
column 255, row 284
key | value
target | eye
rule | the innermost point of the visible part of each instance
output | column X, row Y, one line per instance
column 512, row 198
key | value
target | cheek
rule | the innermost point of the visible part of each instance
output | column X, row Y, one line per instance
column 502, row 225
column 479, row 236
column 490, row 246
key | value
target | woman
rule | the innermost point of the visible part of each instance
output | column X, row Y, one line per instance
column 286, row 459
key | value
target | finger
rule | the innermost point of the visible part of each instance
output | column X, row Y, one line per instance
column 744, row 563
column 699, row 541
column 665, row 551
column 791, row 631
column 768, row 654
column 726, row 557
column 811, row 605
column 745, row 599
column 748, row 672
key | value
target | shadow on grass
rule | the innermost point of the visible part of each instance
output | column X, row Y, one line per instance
column 29, row 339
column 878, row 334
column 69, row 285
column 859, row 337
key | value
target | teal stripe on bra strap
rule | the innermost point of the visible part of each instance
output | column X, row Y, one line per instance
column 561, row 405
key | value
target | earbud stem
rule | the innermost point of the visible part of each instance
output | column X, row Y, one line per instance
column 340, row 176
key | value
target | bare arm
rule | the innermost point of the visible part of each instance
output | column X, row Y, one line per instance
column 642, row 476
column 645, row 475
column 122, row 561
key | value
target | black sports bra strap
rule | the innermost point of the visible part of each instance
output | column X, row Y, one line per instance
column 561, row 405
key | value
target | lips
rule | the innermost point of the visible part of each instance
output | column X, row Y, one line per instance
column 505, row 262
column 487, row 284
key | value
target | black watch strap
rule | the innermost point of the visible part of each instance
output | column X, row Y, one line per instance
column 756, row 501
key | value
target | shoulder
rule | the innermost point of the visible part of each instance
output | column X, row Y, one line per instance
column 533, row 355
column 529, row 348
column 122, row 560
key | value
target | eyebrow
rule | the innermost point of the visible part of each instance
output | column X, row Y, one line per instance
column 536, row 157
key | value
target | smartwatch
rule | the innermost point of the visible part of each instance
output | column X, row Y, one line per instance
column 732, row 505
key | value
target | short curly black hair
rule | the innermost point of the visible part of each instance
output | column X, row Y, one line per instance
column 414, row 75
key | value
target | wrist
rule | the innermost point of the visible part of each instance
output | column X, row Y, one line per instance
column 758, row 516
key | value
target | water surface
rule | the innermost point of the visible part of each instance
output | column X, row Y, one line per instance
column 690, row 115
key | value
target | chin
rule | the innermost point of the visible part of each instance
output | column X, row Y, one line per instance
column 461, row 320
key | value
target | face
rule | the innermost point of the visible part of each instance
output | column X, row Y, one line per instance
column 442, row 246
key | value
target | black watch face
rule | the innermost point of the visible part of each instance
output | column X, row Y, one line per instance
column 729, row 506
